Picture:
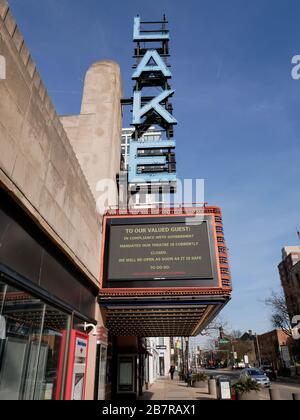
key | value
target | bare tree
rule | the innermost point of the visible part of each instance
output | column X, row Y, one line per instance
column 280, row 316
column 236, row 334
column 214, row 327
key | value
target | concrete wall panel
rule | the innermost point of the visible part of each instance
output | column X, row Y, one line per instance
column 51, row 178
column 95, row 133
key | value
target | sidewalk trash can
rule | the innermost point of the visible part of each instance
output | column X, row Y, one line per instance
column 223, row 388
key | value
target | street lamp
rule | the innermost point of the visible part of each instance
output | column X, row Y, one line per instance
column 187, row 353
column 258, row 350
column 182, row 357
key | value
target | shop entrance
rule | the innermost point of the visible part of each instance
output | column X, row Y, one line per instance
column 162, row 366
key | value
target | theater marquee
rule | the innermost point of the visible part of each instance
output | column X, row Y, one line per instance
column 165, row 251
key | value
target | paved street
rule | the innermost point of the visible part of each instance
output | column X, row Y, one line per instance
column 223, row 372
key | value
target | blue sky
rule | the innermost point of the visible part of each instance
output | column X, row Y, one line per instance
column 237, row 106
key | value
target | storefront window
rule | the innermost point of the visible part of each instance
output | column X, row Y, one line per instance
column 52, row 351
column 31, row 348
column 161, row 341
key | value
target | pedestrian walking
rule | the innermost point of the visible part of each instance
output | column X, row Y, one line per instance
column 189, row 378
column 172, row 371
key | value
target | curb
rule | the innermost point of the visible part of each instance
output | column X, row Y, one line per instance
column 295, row 381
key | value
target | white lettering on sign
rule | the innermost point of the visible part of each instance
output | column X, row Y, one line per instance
column 2, row 68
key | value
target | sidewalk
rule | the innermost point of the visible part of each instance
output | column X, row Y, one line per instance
column 164, row 390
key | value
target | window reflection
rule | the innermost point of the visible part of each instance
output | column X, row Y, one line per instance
column 31, row 348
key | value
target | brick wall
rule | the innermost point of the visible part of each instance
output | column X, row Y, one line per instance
column 289, row 271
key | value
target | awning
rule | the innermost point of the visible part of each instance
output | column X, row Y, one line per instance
column 163, row 318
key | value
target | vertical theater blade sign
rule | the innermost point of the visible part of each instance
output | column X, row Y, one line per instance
column 152, row 164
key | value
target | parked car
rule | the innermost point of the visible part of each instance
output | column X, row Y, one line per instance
column 256, row 375
column 239, row 366
column 212, row 367
column 270, row 372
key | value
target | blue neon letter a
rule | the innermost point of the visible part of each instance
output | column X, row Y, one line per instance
column 159, row 65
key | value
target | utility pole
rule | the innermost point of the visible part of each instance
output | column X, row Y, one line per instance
column 187, row 353
column 182, row 357
column 258, row 350
column 233, row 351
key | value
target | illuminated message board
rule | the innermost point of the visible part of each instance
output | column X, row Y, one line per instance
column 160, row 252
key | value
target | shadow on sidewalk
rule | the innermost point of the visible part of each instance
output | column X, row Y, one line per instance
column 147, row 396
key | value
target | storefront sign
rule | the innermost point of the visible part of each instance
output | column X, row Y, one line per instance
column 161, row 347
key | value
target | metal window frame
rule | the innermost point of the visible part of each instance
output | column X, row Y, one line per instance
column 16, row 280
